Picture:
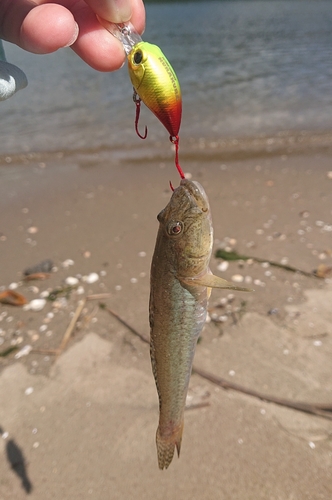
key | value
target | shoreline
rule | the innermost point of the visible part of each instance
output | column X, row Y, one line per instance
column 287, row 142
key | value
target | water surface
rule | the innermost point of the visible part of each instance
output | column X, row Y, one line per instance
column 245, row 67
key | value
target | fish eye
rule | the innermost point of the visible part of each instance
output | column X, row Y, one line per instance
column 138, row 57
column 175, row 228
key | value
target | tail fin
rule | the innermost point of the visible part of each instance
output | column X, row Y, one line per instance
column 166, row 445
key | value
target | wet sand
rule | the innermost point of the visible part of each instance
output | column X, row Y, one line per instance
column 87, row 428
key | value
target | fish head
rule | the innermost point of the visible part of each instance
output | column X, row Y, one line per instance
column 156, row 83
column 187, row 227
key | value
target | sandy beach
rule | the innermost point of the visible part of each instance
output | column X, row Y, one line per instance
column 82, row 424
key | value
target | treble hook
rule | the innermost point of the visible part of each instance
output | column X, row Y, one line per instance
column 137, row 101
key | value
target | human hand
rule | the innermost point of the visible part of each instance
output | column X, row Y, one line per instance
column 41, row 27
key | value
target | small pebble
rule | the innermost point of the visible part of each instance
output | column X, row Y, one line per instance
column 142, row 254
column 312, row 445
column 223, row 266
column 71, row 281
column 237, row 278
column 67, row 263
column 36, row 305
column 318, row 343
column 5, row 435
column 91, row 278
column 28, row 391
column 13, row 286
column 329, row 174
column 32, row 230
column 45, row 266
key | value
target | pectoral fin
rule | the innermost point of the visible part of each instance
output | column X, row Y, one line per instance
column 212, row 281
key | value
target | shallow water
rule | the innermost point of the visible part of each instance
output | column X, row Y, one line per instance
column 246, row 68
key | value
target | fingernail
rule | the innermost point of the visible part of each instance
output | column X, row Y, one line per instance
column 74, row 37
column 119, row 10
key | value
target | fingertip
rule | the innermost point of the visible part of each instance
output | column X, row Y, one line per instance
column 47, row 28
column 100, row 50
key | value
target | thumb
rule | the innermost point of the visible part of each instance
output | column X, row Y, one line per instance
column 115, row 11
column 37, row 28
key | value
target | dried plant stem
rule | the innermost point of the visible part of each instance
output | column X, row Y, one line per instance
column 71, row 327
column 321, row 410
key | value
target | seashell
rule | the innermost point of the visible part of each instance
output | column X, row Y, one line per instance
column 91, row 278
column 237, row 278
column 223, row 266
column 36, row 305
column 12, row 298
column 71, row 281
column 37, row 276
column 67, row 263
column 23, row 352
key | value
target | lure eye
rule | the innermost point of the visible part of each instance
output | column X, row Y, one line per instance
column 138, row 57
column 175, row 228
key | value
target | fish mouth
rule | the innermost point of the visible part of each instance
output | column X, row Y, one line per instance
column 196, row 191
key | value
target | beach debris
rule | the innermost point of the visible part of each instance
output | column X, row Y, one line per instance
column 35, row 305
column 232, row 255
column 45, row 266
column 71, row 326
column 37, row 276
column 237, row 278
column 28, row 391
column 71, row 281
column 32, row 230
column 12, row 298
column 68, row 262
column 323, row 271
column 13, row 286
column 223, row 266
column 23, row 352
column 64, row 290
column 91, row 278
column 8, row 351
column 329, row 174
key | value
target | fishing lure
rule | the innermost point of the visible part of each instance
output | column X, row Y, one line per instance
column 154, row 82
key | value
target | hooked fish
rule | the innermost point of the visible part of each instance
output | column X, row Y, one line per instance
column 181, row 284
column 156, row 83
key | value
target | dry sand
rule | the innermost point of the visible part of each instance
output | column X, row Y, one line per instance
column 83, row 426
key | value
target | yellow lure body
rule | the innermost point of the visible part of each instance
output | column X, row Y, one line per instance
column 156, row 83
